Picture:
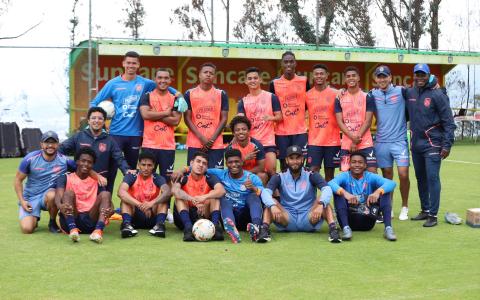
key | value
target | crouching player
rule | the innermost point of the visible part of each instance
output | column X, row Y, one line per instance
column 359, row 187
column 144, row 199
column 299, row 209
column 84, row 206
column 197, row 195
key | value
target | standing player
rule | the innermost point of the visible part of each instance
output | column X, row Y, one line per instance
column 105, row 147
column 432, row 135
column 323, row 131
column 125, row 92
column 145, row 198
column 253, row 153
column 354, row 114
column 160, row 118
column 84, row 206
column 356, row 187
column 291, row 90
column 42, row 167
column 206, row 117
column 263, row 110
column 299, row 209
column 391, row 139
column 198, row 195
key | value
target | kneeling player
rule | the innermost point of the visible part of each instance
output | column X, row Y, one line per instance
column 84, row 206
column 253, row 153
column 145, row 197
column 299, row 209
column 197, row 195
column 359, row 187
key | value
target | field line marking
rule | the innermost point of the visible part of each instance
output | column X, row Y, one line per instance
column 463, row 162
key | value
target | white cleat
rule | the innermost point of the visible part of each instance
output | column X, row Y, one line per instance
column 403, row 214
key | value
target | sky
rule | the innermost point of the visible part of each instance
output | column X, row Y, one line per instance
column 34, row 82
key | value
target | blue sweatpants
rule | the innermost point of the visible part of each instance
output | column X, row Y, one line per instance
column 241, row 216
column 427, row 171
column 341, row 207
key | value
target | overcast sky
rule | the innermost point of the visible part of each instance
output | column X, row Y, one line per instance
column 36, row 78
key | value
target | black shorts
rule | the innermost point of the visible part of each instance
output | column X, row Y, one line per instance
column 83, row 221
column 215, row 157
column 164, row 159
column 285, row 141
column 330, row 155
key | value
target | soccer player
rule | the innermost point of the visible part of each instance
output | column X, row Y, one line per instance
column 160, row 118
column 291, row 90
column 125, row 92
column 198, row 195
column 241, row 206
column 432, row 135
column 104, row 145
column 206, row 117
column 42, row 168
column 263, row 110
column 299, row 208
column 323, row 131
column 84, row 205
column 145, row 198
column 253, row 153
column 358, row 186
column 354, row 114
column 391, row 138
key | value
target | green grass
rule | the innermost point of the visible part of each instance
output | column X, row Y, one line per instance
column 435, row 263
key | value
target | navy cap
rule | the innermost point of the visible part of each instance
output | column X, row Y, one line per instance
column 50, row 135
column 421, row 68
column 382, row 70
column 294, row 149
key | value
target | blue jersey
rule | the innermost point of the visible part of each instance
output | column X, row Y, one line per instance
column 390, row 114
column 42, row 174
column 362, row 187
column 236, row 192
column 299, row 194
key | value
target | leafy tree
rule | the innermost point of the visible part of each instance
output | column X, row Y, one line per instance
column 135, row 15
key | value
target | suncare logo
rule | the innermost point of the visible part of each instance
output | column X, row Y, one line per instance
column 225, row 77
column 206, row 109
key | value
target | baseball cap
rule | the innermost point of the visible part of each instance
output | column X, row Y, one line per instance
column 49, row 135
column 382, row 70
column 294, row 149
column 421, row 68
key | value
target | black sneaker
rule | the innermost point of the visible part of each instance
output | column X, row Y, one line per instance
column 53, row 227
column 127, row 230
column 421, row 216
column 188, row 235
column 334, row 236
column 431, row 221
column 218, row 236
column 264, row 234
column 158, row 230
column 379, row 218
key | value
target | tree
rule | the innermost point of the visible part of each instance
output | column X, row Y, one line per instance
column 355, row 21
column 4, row 6
column 434, row 23
column 256, row 25
column 190, row 16
column 396, row 16
column 74, row 23
column 135, row 15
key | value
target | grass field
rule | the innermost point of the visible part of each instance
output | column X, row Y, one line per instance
column 436, row 263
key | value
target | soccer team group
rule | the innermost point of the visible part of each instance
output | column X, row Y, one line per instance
column 248, row 194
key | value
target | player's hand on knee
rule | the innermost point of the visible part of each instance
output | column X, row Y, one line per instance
column 276, row 213
column 316, row 214
column 102, row 181
column 352, row 199
column 372, row 198
column 26, row 206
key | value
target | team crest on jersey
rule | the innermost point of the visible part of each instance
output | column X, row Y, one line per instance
column 427, row 102
column 138, row 87
column 102, row 147
column 56, row 169
column 394, row 98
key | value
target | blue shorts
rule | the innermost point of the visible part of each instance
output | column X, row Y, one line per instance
column 38, row 204
column 330, row 155
column 83, row 221
column 164, row 159
column 298, row 222
column 285, row 141
column 270, row 149
column 130, row 146
column 140, row 220
column 215, row 157
column 369, row 154
column 395, row 151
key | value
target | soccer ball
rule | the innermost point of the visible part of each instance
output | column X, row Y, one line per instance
column 203, row 230
column 108, row 107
